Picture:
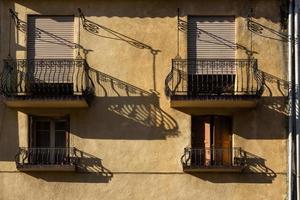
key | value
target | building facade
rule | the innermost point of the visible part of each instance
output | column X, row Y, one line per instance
column 143, row 99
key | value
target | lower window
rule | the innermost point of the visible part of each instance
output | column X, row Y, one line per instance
column 211, row 141
column 48, row 140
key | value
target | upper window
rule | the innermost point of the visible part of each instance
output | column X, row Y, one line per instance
column 211, row 54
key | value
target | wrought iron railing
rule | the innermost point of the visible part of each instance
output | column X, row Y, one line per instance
column 212, row 157
column 45, row 78
column 45, row 156
column 218, row 77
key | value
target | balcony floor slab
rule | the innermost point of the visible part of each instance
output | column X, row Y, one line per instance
column 213, row 102
column 47, row 168
column 213, row 169
column 46, row 103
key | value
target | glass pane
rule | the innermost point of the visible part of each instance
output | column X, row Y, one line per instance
column 60, row 134
column 43, row 133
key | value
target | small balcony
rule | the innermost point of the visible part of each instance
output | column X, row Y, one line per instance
column 214, row 83
column 46, row 83
column 46, row 159
column 212, row 160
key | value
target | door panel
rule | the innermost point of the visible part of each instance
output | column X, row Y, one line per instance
column 223, row 140
column 60, row 141
column 42, row 130
column 207, row 142
column 42, row 134
column 200, row 139
column 60, row 134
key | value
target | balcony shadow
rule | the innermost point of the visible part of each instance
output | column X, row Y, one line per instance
column 127, row 112
column 255, row 171
column 88, row 170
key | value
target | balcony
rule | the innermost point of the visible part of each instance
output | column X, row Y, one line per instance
column 212, row 160
column 214, row 83
column 46, row 83
column 46, row 159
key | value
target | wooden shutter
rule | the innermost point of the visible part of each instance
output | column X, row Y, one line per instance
column 31, row 133
column 50, row 37
column 211, row 37
column 222, row 140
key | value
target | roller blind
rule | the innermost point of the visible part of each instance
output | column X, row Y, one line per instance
column 211, row 37
column 50, row 37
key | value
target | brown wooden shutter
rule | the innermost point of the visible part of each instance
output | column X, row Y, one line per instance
column 222, row 142
column 31, row 133
column 211, row 37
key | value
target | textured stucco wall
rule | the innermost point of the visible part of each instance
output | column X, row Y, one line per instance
column 139, row 138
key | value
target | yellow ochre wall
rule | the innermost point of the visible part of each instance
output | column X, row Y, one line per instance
column 134, row 138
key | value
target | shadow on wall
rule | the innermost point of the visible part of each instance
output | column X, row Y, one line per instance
column 107, row 33
column 265, row 31
column 123, row 111
column 9, row 130
column 269, row 119
column 162, row 9
column 89, row 169
column 255, row 171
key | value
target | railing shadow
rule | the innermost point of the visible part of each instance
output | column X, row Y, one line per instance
column 130, row 112
column 89, row 169
column 255, row 171
column 268, row 79
column 257, row 165
column 88, row 163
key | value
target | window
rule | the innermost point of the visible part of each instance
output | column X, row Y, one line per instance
column 211, row 141
column 211, row 54
column 50, row 54
column 49, row 140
